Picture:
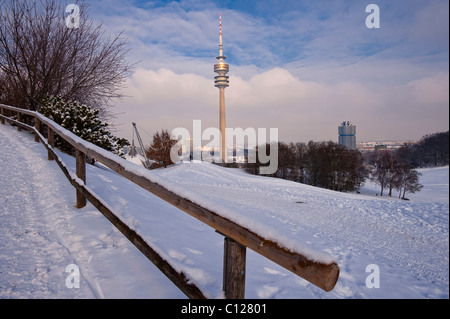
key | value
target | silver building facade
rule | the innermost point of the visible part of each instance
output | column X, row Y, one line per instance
column 347, row 135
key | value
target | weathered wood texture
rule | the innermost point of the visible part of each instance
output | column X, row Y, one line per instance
column 81, row 174
column 234, row 257
column 37, row 126
column 51, row 142
column 19, row 119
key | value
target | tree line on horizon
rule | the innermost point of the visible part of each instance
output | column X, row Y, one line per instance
column 334, row 166
column 390, row 171
column 322, row 164
column 431, row 150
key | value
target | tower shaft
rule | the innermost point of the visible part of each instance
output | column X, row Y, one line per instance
column 222, row 123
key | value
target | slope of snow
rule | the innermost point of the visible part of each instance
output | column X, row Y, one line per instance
column 42, row 232
column 137, row 159
column 407, row 239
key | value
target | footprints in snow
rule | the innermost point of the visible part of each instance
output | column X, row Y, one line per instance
column 183, row 257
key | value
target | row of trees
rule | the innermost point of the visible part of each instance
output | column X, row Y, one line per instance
column 333, row 166
column 430, row 150
column 323, row 164
column 391, row 172
column 396, row 170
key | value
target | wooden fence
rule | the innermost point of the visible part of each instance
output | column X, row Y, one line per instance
column 237, row 237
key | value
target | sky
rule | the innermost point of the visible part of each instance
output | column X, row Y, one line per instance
column 302, row 67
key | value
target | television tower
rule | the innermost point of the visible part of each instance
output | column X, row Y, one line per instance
column 221, row 82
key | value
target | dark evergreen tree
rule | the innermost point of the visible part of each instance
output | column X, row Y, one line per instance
column 82, row 121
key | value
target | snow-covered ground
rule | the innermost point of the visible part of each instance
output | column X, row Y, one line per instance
column 42, row 232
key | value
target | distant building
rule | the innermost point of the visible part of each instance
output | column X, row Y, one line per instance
column 381, row 147
column 347, row 135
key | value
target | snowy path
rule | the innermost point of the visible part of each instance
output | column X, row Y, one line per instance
column 41, row 232
column 30, row 253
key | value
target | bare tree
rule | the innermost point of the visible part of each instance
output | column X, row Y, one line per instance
column 40, row 54
column 159, row 150
column 380, row 174
column 393, row 172
column 408, row 180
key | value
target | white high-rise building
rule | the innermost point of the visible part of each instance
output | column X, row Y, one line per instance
column 347, row 135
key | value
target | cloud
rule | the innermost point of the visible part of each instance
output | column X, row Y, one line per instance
column 164, row 100
column 301, row 110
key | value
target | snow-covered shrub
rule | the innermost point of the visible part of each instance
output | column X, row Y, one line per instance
column 82, row 121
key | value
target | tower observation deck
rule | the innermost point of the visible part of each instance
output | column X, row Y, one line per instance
column 221, row 68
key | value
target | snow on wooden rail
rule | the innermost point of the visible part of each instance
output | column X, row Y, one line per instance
column 323, row 273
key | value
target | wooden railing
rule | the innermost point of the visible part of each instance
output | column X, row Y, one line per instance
column 237, row 237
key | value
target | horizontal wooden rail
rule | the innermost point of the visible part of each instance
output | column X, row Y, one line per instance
column 321, row 274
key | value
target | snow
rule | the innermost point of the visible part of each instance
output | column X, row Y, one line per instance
column 137, row 159
column 42, row 232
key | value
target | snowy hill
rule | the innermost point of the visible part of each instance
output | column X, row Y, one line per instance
column 42, row 232
column 404, row 238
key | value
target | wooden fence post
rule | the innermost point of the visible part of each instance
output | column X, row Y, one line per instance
column 37, row 126
column 81, row 174
column 2, row 110
column 19, row 119
column 51, row 141
column 234, row 269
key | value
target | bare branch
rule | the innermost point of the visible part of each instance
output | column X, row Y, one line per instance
column 40, row 55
